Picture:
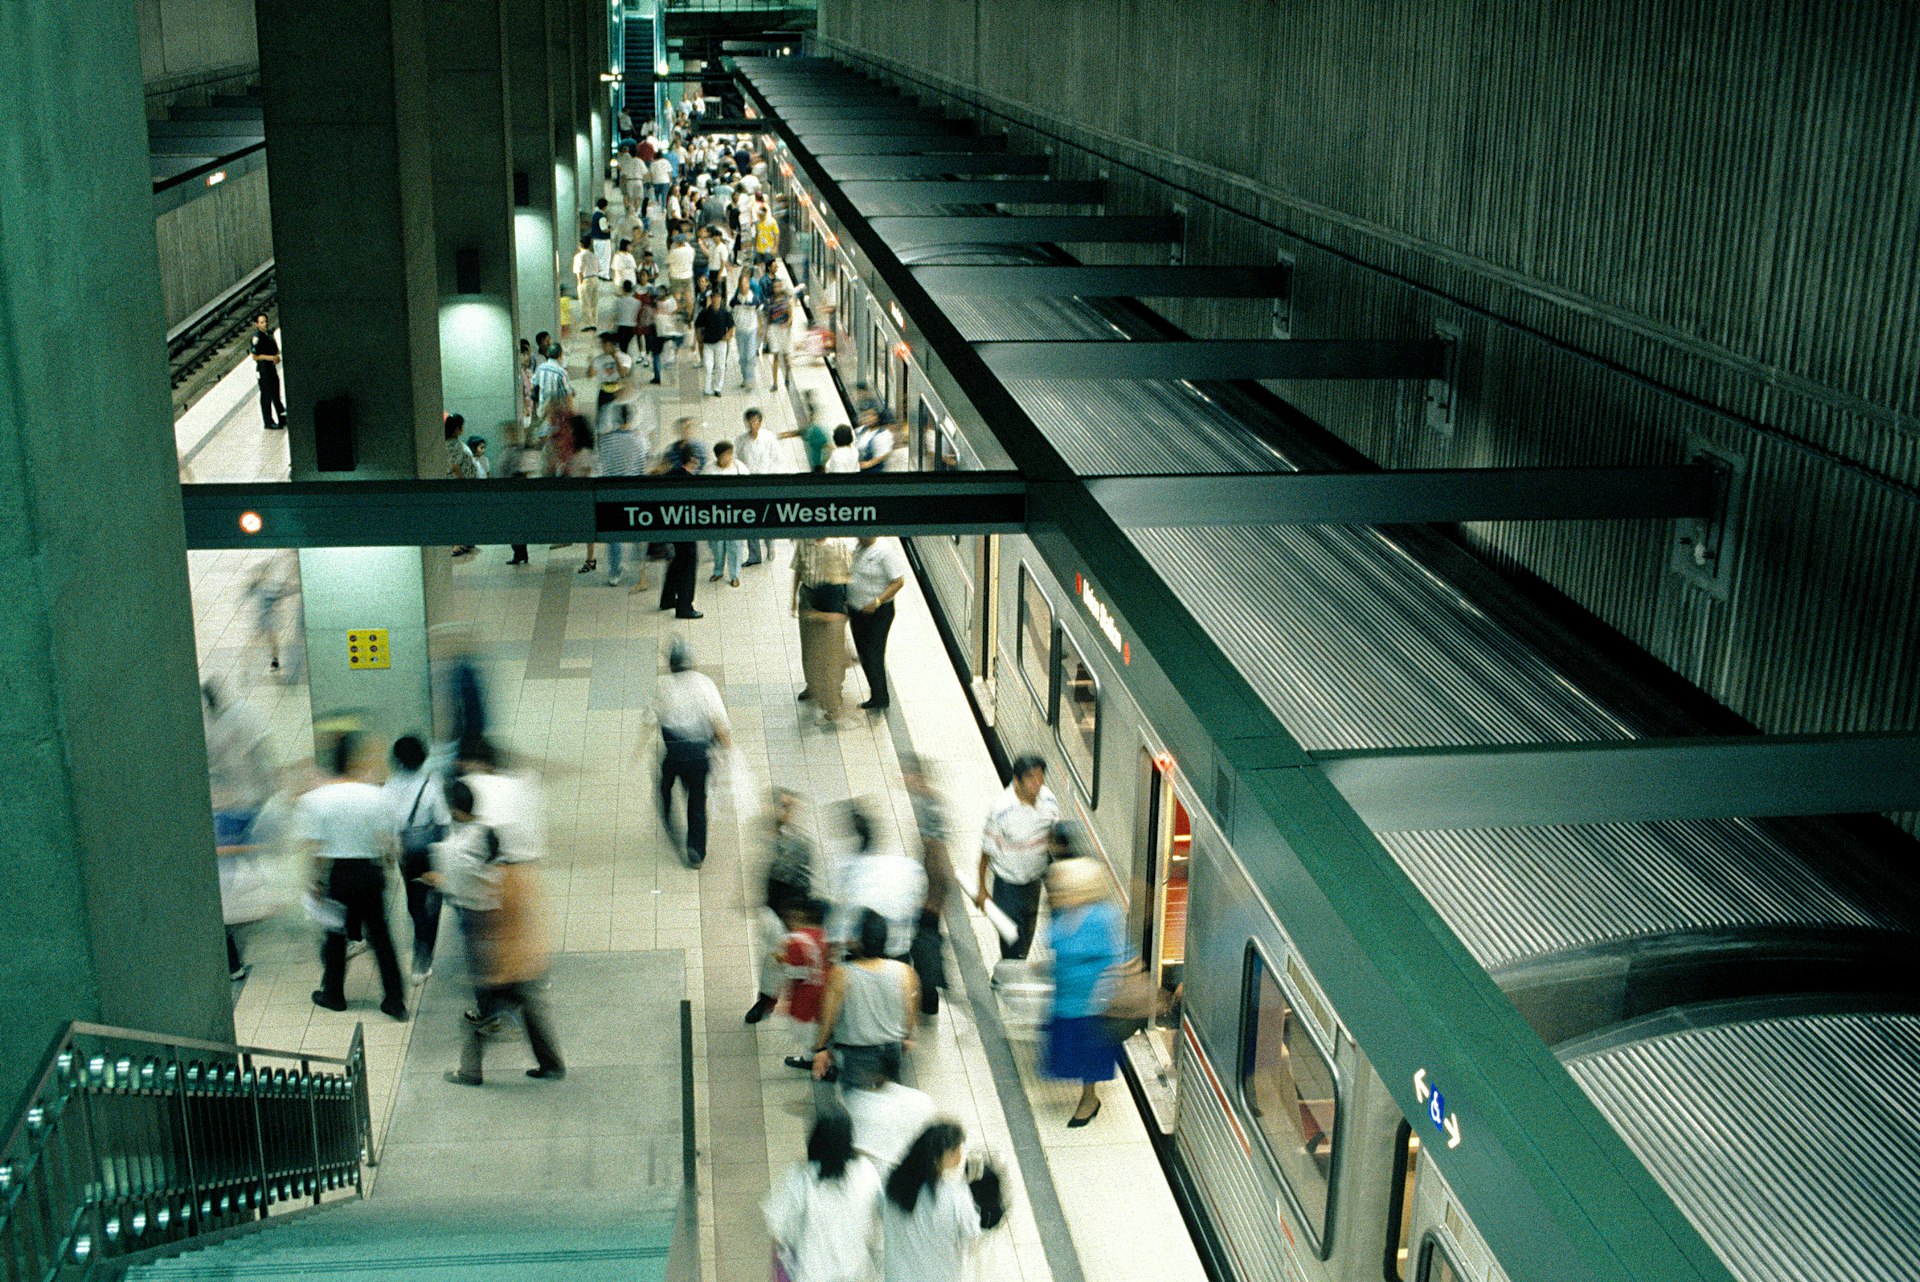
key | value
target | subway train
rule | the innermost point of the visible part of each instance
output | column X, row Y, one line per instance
column 1680, row 969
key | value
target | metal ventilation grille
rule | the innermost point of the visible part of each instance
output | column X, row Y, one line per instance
column 1354, row 645
column 1792, row 1143
column 983, row 318
column 1512, row 895
column 1144, row 428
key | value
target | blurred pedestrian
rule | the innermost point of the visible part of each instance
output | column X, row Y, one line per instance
column 510, row 949
column 346, row 827
column 813, row 435
column 887, row 1116
column 929, row 1220
column 241, row 780
column 788, row 884
column 1013, row 847
column 420, row 818
column 804, row 961
column 623, row 451
column 824, row 1214
column 466, row 874
column 677, row 584
column 274, row 583
column 1087, row 934
column 876, row 875
column 586, row 286
column 821, row 571
column 866, row 1014
column 930, row 817
column 693, row 722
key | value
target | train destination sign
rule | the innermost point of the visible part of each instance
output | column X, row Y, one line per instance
column 918, row 512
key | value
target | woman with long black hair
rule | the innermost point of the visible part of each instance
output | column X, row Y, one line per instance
column 824, row 1215
column 929, row 1219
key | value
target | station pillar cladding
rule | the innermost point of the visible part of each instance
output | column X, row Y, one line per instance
column 566, row 192
column 473, row 215
column 349, row 121
column 530, row 128
column 110, row 908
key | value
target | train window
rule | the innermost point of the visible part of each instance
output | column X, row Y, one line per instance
column 1078, row 727
column 1035, row 642
column 1436, row 1264
column 1289, row 1088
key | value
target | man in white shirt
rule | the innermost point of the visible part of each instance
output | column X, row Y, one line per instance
column 1014, row 847
column 346, row 827
column 586, row 283
column 633, row 178
column 879, row 574
column 887, row 1118
column 762, row 454
column 507, row 803
column 680, row 258
column 692, row 722
column 420, row 818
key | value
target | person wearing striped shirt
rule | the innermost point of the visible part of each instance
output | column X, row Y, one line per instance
column 1015, row 846
column 550, row 383
column 623, row 451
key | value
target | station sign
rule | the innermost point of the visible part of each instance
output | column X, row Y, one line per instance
column 917, row 513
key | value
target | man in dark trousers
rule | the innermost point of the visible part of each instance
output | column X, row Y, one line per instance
column 266, row 363
column 676, row 593
column 879, row 572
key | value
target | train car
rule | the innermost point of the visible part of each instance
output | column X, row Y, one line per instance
column 1295, row 1159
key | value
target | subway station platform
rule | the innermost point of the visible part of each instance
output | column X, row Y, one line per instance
column 570, row 672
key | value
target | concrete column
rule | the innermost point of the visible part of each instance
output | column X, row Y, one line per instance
column 581, row 33
column 473, row 215
column 530, row 123
column 566, row 159
column 110, row 907
column 349, row 137
column 350, row 176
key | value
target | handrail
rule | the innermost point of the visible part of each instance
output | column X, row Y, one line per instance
column 128, row 1141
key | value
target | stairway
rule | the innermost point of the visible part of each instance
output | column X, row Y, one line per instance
column 521, row 1240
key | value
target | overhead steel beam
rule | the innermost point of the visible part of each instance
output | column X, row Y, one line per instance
column 916, row 145
column 871, row 195
column 847, row 169
column 906, row 127
column 1447, row 496
column 450, row 513
column 1213, row 361
column 1000, row 229
column 1265, row 281
column 803, row 118
column 1636, row 781
column 728, row 125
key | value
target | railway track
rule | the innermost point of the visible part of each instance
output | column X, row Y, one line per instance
column 196, row 347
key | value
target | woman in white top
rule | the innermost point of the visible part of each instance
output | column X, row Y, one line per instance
column 626, row 268
column 824, row 1216
column 843, row 457
column 929, row 1221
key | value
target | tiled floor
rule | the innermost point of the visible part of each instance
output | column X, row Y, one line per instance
column 570, row 670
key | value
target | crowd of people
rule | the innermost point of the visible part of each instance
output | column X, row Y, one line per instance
column 852, row 952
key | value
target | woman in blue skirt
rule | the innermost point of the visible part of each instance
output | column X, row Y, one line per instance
column 1088, row 939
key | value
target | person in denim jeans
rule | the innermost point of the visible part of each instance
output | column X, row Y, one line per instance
column 727, row 553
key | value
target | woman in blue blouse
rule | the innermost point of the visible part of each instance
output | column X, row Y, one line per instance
column 1088, row 939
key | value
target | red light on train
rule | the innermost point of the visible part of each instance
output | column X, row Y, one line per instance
column 786, row 170
column 1163, row 762
column 833, row 241
column 903, row 350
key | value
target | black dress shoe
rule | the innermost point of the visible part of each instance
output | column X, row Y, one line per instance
column 761, row 1008
column 394, row 1010
column 688, row 614
column 1073, row 1123
column 871, row 706
column 802, row 1062
column 555, row 1074
column 320, row 999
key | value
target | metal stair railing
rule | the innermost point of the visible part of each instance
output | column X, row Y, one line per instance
column 127, row 1141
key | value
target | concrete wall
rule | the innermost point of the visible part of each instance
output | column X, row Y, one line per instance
column 190, row 49
column 1675, row 221
column 212, row 241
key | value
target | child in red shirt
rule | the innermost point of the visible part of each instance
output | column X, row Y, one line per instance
column 804, row 955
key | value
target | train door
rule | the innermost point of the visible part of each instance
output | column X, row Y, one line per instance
column 897, row 380
column 1168, row 844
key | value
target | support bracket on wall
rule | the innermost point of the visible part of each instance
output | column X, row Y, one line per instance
column 1705, row 548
